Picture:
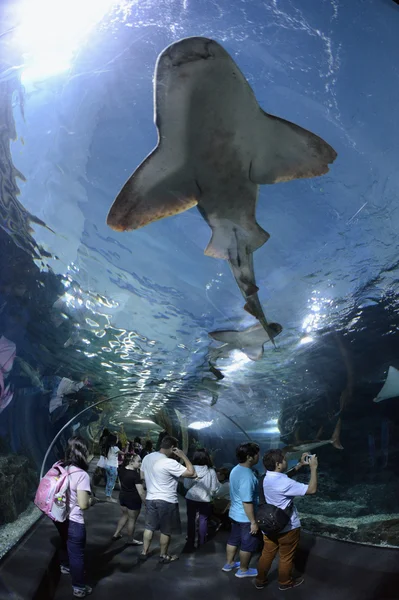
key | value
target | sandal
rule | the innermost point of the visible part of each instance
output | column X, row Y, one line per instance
column 116, row 537
column 82, row 592
column 168, row 558
column 135, row 543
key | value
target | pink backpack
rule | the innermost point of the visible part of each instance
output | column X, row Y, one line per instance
column 51, row 496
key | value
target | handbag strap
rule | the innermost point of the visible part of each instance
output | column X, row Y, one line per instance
column 262, row 499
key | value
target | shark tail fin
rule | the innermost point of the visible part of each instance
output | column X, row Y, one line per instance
column 157, row 189
column 292, row 152
column 335, row 439
column 224, row 239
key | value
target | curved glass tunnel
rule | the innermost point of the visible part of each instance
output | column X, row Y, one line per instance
column 125, row 317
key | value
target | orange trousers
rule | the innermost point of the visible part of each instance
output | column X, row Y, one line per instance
column 285, row 544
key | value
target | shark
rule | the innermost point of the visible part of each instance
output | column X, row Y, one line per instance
column 295, row 451
column 216, row 146
column 250, row 340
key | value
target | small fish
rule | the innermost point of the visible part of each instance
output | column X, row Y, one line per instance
column 30, row 372
column 295, row 451
column 215, row 147
column 250, row 340
column 390, row 389
column 213, row 387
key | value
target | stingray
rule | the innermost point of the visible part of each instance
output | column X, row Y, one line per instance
column 390, row 389
column 215, row 147
column 295, row 451
column 250, row 340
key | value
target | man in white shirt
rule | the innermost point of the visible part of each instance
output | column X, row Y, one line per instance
column 279, row 490
column 161, row 473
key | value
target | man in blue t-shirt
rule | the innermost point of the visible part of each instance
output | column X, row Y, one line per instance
column 244, row 499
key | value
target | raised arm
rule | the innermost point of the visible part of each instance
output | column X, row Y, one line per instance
column 190, row 471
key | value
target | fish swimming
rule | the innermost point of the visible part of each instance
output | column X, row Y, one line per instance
column 215, row 147
column 250, row 340
column 295, row 451
column 390, row 389
column 30, row 372
column 213, row 387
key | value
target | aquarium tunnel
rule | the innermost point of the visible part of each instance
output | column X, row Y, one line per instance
column 199, row 219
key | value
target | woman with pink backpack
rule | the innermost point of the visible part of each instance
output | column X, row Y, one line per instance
column 73, row 530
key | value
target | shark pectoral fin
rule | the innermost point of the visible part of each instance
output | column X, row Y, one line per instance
column 335, row 439
column 155, row 190
column 287, row 151
column 226, row 337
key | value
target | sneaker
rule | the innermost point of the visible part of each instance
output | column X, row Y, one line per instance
column 260, row 586
column 247, row 573
column 82, row 592
column 168, row 558
column 65, row 570
column 112, row 500
column 228, row 567
column 293, row 584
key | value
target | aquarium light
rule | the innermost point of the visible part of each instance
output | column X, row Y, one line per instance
column 52, row 31
column 200, row 424
column 306, row 340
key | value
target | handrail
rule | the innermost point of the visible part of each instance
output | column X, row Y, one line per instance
column 126, row 394
column 72, row 420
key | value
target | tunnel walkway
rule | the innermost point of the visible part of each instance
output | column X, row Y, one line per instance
column 333, row 570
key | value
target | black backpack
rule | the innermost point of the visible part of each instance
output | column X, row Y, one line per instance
column 271, row 519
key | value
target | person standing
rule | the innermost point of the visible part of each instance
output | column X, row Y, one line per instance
column 148, row 448
column 279, row 490
column 73, row 531
column 221, row 500
column 161, row 473
column 131, row 496
column 244, row 499
column 111, row 452
column 199, row 496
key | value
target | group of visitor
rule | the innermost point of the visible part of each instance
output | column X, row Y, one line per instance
column 115, row 453
column 153, row 480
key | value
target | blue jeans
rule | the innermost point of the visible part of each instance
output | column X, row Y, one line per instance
column 73, row 541
column 112, row 474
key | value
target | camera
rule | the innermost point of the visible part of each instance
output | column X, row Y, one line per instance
column 308, row 457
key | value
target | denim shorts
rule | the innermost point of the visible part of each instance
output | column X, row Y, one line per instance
column 241, row 536
column 162, row 515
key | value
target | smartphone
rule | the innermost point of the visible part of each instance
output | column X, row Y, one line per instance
column 308, row 457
